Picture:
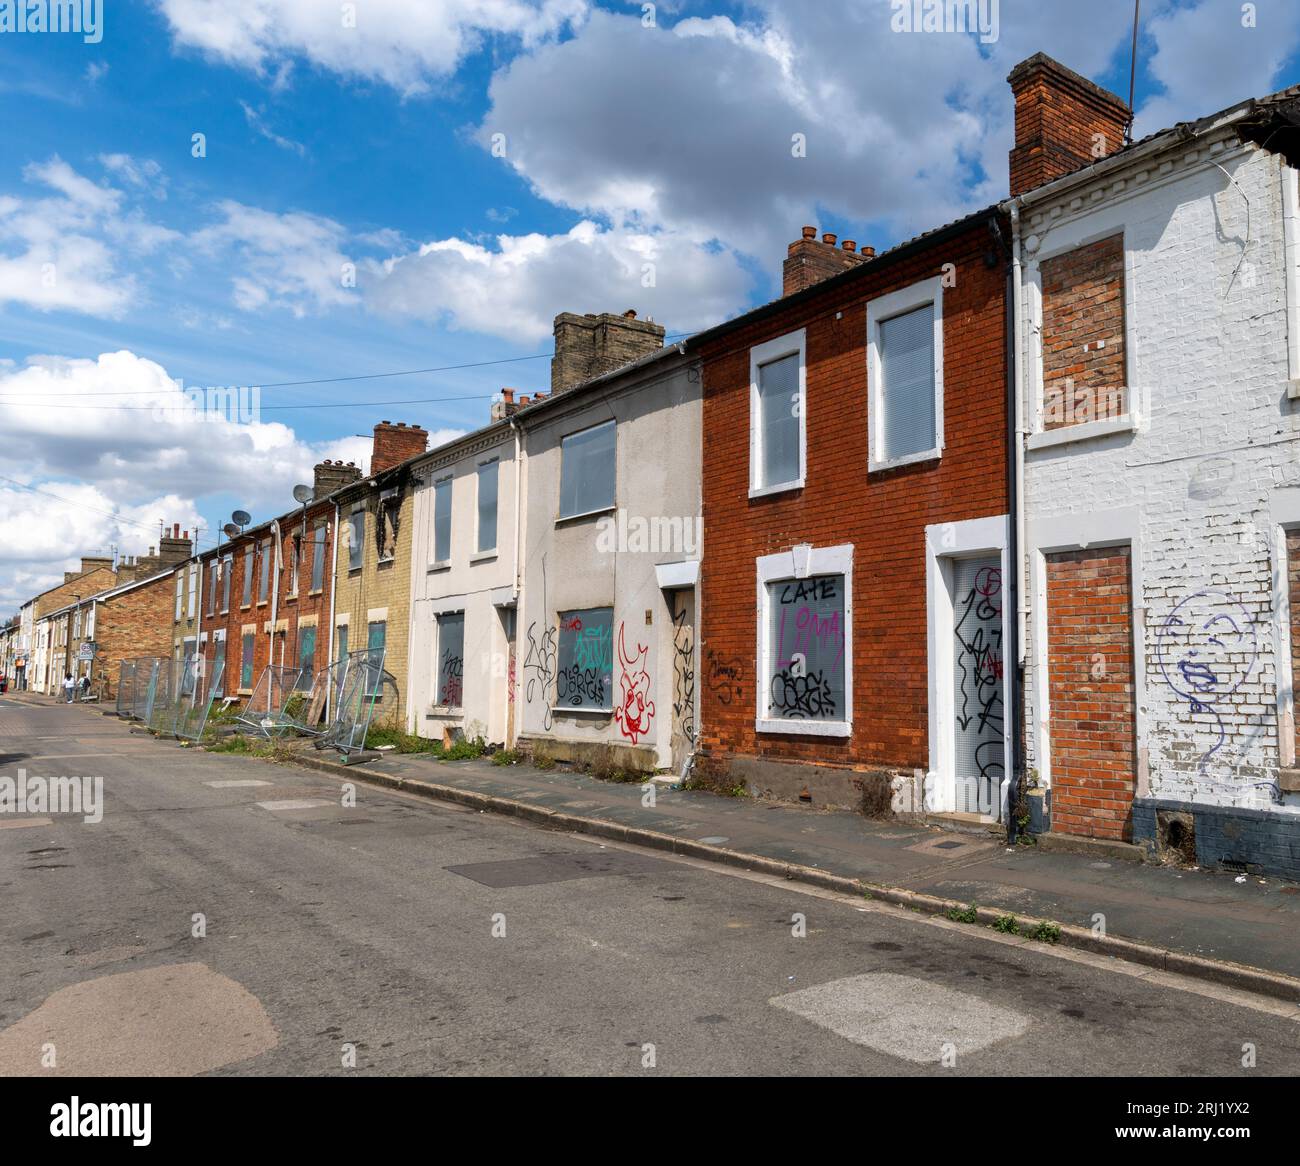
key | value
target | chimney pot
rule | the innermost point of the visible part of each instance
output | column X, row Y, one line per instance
column 849, row 245
column 829, row 239
column 630, row 314
column 176, row 530
column 810, row 232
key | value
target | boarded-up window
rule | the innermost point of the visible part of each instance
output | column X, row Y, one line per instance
column 805, row 637
column 586, row 659
column 1083, row 335
column 587, row 471
column 451, row 664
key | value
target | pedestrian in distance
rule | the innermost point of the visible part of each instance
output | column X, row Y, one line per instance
column 69, row 686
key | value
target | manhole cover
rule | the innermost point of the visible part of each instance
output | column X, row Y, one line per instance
column 555, row 868
column 946, row 845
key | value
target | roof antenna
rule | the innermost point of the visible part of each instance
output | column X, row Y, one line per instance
column 1132, row 71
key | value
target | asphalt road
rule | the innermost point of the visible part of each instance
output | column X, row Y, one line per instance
column 210, row 924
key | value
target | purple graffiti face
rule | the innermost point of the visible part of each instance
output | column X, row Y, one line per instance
column 1206, row 648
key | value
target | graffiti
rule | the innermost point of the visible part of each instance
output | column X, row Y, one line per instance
column 579, row 686
column 539, row 668
column 797, row 695
column 572, row 624
column 1206, row 650
column 808, row 648
column 979, row 663
column 592, row 647
column 684, row 675
column 452, row 671
column 724, row 676
column 635, row 710
column 510, row 676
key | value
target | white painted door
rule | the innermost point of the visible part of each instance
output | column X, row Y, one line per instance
column 977, row 684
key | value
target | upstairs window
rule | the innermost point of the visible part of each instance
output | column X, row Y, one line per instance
column 487, row 507
column 264, row 573
column 777, row 434
column 905, row 375
column 227, row 569
column 180, row 594
column 248, row 577
column 587, row 471
column 1082, row 335
column 356, row 539
column 442, row 522
column 318, row 557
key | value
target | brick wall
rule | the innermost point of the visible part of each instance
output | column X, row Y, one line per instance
column 1063, row 122
column 134, row 624
column 587, row 346
column 883, row 515
column 1083, row 334
column 1090, row 689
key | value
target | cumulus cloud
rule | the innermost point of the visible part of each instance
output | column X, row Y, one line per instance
column 515, row 288
column 404, row 44
column 99, row 474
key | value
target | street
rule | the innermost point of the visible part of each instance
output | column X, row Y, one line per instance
column 232, row 916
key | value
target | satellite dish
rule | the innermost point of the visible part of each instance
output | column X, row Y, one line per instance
column 230, row 530
column 303, row 494
column 242, row 517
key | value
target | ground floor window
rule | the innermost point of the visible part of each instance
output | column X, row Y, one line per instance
column 376, row 635
column 246, row 661
column 306, row 656
column 585, row 679
column 451, row 664
column 804, row 625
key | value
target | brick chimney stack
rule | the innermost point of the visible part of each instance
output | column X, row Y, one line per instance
column 1063, row 122
column 174, row 548
column 506, row 407
column 328, row 476
column 586, row 346
column 809, row 260
column 395, row 443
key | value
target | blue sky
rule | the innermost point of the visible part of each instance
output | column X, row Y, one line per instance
column 631, row 141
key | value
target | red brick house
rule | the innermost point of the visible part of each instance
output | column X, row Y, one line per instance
column 855, row 501
column 267, row 593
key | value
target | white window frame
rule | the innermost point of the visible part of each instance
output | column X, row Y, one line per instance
column 1064, row 239
column 791, row 344
column 180, row 593
column 355, row 539
column 560, row 516
column 887, row 307
column 802, row 562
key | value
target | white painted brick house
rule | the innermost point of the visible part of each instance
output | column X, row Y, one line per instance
column 1159, row 708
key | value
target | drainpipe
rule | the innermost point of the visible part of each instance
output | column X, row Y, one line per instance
column 1014, row 656
column 515, row 712
column 275, row 590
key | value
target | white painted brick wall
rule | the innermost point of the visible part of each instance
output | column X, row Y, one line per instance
column 1208, row 355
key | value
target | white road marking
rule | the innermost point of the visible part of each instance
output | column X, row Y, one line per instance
column 18, row 823
column 294, row 804
column 234, row 784
column 905, row 1016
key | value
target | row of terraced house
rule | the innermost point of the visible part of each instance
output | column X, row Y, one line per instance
column 1001, row 523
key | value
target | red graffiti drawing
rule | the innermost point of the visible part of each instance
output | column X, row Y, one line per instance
column 636, row 710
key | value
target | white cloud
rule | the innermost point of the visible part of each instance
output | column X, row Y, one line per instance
column 141, row 173
column 515, row 289
column 102, row 469
column 257, row 123
column 401, row 43
column 291, row 260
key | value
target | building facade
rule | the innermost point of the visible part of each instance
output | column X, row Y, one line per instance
column 855, row 502
column 464, row 585
column 1160, row 351
column 606, row 654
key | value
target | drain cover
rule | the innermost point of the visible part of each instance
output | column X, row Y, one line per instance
column 556, row 868
column 946, row 845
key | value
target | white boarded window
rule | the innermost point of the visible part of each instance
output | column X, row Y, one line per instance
column 356, row 538
column 587, row 471
column 777, row 436
column 451, row 663
column 487, row 506
column 905, row 375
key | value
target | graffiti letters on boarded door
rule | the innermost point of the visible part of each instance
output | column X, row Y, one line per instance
column 807, row 644
column 978, row 697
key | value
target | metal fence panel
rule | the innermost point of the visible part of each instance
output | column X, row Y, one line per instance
column 358, row 684
column 266, row 712
column 198, row 692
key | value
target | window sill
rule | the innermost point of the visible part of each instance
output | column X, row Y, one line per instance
column 483, row 556
column 804, row 728
column 443, row 710
column 1088, row 430
column 315, row 591
column 779, row 488
column 911, row 459
column 353, row 572
column 561, row 519
column 580, row 710
column 435, row 568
